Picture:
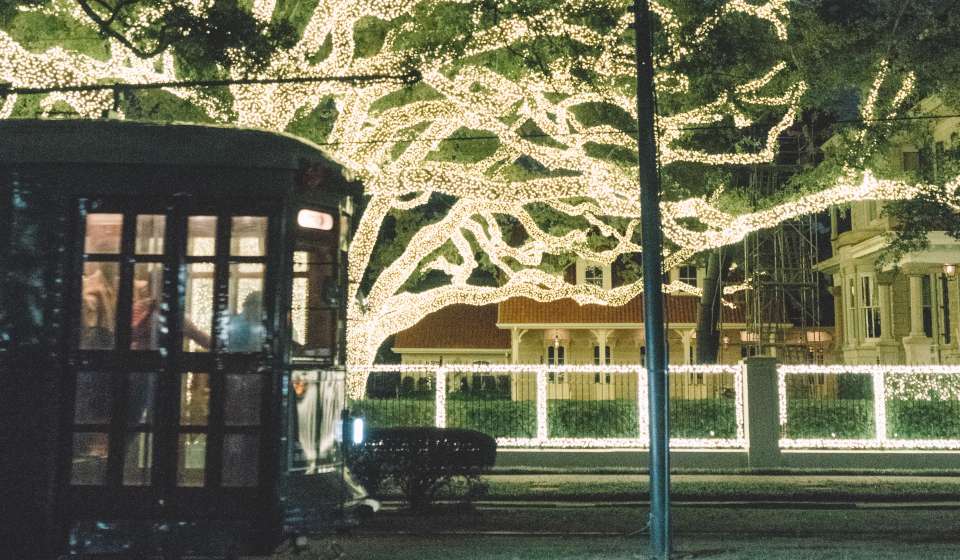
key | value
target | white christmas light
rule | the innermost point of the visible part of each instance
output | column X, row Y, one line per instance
column 889, row 383
column 440, row 398
column 542, row 373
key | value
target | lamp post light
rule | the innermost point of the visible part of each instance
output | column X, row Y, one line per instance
column 950, row 271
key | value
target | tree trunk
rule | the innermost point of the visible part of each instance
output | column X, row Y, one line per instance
column 708, row 335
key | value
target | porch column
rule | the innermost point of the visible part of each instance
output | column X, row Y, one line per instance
column 686, row 339
column 516, row 335
column 840, row 322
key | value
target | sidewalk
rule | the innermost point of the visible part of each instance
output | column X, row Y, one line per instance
column 578, row 548
column 707, row 487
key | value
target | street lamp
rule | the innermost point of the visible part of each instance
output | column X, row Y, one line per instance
column 652, row 250
column 950, row 270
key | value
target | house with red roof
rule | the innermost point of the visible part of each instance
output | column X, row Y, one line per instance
column 563, row 332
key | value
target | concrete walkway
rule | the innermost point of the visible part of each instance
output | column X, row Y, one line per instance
column 581, row 548
column 786, row 479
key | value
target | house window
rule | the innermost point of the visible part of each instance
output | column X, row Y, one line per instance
column 596, row 361
column 844, row 220
column 851, row 298
column 593, row 275
column 688, row 275
column 954, row 143
column 926, row 303
column 556, row 356
column 910, row 161
column 870, row 307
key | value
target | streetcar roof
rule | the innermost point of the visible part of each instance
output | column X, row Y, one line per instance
column 28, row 141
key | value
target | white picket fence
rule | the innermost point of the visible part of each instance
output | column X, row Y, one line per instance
column 898, row 384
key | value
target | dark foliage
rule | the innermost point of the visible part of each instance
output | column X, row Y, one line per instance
column 829, row 418
column 933, row 419
column 225, row 35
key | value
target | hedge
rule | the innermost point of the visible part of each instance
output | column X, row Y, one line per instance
column 567, row 418
column 689, row 418
column 421, row 461
column 923, row 419
column 829, row 418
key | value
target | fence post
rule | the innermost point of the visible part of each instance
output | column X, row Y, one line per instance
column 880, row 406
column 440, row 397
column 761, row 410
column 542, row 431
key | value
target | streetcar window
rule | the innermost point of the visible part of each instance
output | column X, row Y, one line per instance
column 99, row 305
column 240, row 452
column 150, row 230
column 90, row 451
column 316, row 289
column 248, row 236
column 244, row 330
column 102, row 235
column 201, row 236
column 147, row 299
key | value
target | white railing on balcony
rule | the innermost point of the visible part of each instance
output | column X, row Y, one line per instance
column 702, row 397
column 869, row 407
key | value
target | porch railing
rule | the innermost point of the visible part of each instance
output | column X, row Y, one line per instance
column 557, row 406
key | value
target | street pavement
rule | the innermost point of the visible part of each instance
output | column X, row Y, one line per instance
column 727, row 529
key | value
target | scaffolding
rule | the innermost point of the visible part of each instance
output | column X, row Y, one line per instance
column 783, row 303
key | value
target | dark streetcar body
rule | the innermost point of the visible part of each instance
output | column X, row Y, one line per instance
column 172, row 339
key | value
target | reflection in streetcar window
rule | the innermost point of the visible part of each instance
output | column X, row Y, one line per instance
column 244, row 330
column 102, row 236
column 315, row 425
column 150, row 231
column 201, row 236
column 145, row 310
column 248, row 236
column 99, row 301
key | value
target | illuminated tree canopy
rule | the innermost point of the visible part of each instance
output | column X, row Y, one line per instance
column 521, row 128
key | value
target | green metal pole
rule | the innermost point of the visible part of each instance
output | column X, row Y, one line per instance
column 652, row 247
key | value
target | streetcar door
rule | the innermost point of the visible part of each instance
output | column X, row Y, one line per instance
column 170, row 362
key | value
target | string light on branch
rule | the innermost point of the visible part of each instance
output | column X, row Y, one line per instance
column 539, row 142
